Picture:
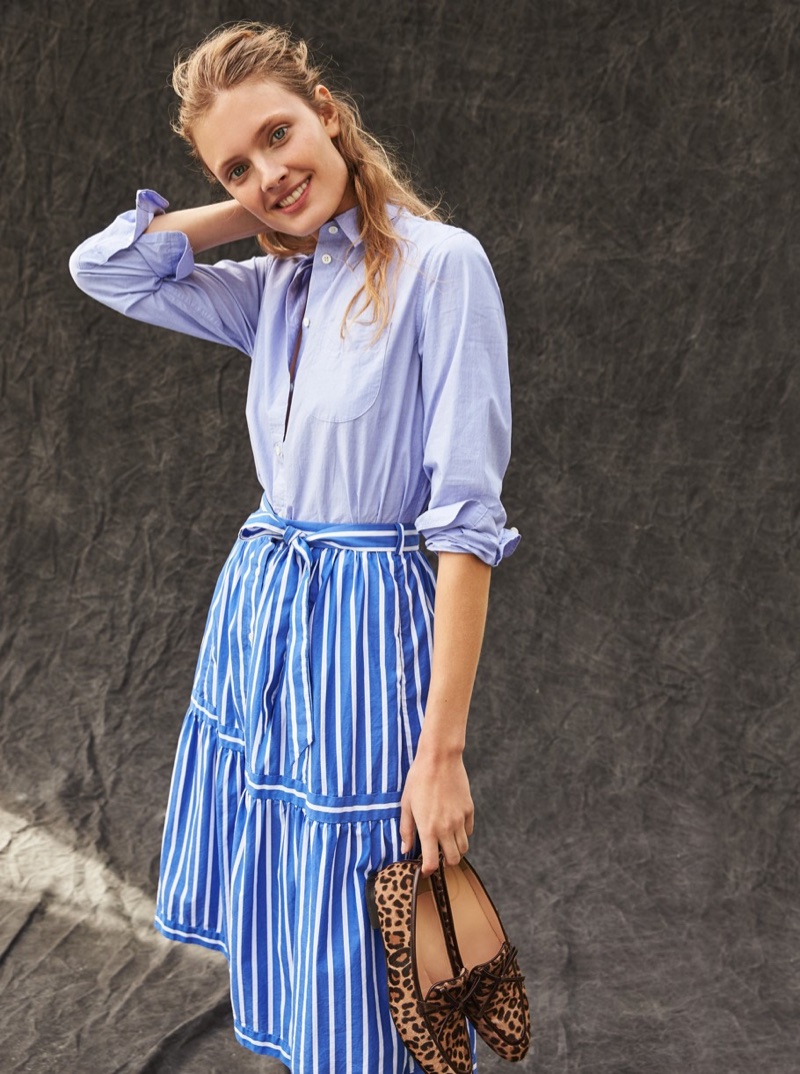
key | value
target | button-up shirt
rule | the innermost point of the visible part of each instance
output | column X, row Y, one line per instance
column 411, row 427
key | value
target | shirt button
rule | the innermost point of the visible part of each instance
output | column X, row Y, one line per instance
column 306, row 322
column 333, row 229
column 278, row 450
column 326, row 259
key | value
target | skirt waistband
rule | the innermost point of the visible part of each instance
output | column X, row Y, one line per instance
column 364, row 536
column 299, row 538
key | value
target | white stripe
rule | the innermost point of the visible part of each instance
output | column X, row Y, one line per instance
column 332, row 976
column 197, row 704
column 365, row 932
column 354, row 678
column 264, row 1044
column 236, row 943
column 234, row 740
column 189, row 937
column 334, row 538
column 255, row 855
column 211, row 850
column 268, row 887
column 235, row 670
column 181, row 871
column 176, row 795
column 427, row 615
column 417, row 678
column 323, row 688
column 365, row 657
column 402, row 708
column 224, row 842
column 301, row 988
column 337, row 676
column 268, row 620
column 285, row 934
column 302, row 796
column 393, row 855
column 348, row 969
column 202, row 798
column 221, row 601
column 384, row 689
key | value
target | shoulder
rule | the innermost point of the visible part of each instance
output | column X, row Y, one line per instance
column 431, row 242
column 445, row 266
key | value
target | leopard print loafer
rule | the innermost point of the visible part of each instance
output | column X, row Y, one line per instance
column 426, row 991
column 496, row 1002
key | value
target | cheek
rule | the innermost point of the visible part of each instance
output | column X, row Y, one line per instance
column 335, row 163
column 246, row 194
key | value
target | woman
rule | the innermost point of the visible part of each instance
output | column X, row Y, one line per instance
column 325, row 734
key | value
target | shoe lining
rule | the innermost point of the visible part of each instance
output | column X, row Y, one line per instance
column 433, row 961
column 479, row 932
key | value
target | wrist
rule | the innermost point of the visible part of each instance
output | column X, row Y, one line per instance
column 440, row 748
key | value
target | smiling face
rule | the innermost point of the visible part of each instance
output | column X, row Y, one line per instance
column 274, row 154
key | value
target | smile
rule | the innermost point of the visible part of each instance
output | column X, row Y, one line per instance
column 295, row 195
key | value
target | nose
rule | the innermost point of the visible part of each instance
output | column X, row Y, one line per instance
column 271, row 173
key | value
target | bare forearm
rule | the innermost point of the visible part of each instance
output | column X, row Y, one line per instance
column 209, row 225
column 462, row 597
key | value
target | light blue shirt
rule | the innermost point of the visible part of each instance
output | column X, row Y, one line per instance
column 413, row 428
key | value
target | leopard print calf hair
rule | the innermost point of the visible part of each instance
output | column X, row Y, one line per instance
column 496, row 1002
column 432, row 1027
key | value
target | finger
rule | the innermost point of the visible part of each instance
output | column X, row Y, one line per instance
column 407, row 830
column 452, row 854
column 430, row 854
column 462, row 842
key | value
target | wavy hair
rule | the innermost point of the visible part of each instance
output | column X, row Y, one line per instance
column 233, row 54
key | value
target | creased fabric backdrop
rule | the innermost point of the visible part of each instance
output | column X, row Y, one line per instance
column 632, row 170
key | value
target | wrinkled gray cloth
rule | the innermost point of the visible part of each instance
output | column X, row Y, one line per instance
column 631, row 171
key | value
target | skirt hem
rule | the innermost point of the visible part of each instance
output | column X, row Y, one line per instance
column 188, row 934
column 262, row 1043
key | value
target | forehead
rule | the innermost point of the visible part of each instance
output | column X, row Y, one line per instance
column 237, row 114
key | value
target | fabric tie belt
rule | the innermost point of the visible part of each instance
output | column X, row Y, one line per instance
column 300, row 537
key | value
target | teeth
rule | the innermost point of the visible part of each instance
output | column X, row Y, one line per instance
column 293, row 196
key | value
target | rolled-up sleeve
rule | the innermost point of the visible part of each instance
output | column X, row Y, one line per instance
column 154, row 278
column 467, row 402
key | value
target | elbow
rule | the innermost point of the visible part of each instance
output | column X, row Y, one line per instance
column 76, row 270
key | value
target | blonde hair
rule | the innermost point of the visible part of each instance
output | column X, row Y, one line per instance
column 231, row 55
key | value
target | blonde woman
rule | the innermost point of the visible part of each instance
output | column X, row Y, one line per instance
column 325, row 733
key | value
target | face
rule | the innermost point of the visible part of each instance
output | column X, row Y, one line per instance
column 274, row 154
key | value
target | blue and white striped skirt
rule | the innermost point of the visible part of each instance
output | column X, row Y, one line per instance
column 307, row 705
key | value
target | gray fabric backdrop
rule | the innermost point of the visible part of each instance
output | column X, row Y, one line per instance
column 632, row 170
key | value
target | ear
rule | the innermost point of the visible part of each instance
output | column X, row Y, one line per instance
column 326, row 110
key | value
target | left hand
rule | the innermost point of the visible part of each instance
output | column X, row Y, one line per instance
column 437, row 804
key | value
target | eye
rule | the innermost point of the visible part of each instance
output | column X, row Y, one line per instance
column 237, row 171
column 279, row 134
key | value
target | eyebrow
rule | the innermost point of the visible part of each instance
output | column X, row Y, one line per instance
column 227, row 163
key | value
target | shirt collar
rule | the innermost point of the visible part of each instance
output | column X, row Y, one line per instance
column 348, row 221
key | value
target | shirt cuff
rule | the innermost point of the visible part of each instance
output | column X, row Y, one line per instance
column 149, row 203
column 468, row 526
column 168, row 254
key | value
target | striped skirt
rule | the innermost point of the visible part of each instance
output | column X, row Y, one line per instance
column 307, row 704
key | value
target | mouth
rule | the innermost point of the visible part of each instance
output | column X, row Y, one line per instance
column 292, row 201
